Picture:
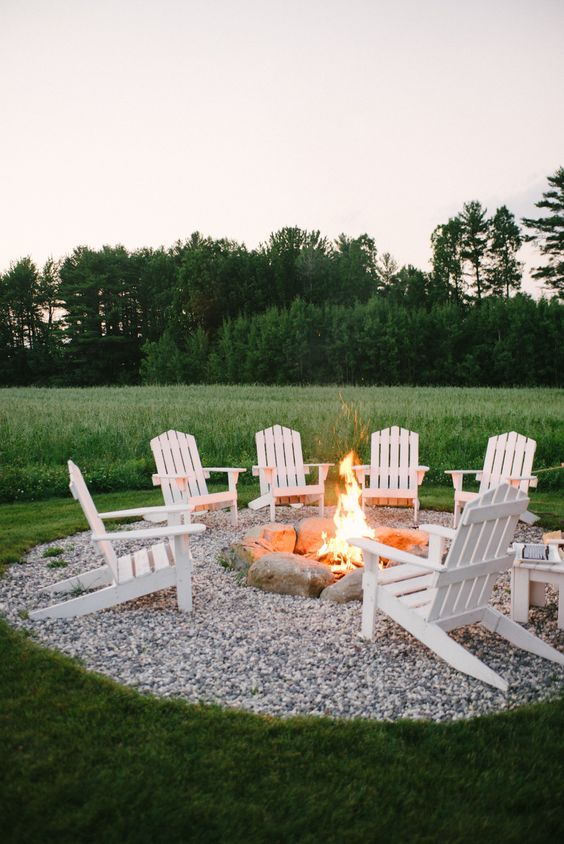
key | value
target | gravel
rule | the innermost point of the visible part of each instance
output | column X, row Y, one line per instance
column 275, row 654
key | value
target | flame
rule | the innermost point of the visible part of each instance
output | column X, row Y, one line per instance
column 349, row 521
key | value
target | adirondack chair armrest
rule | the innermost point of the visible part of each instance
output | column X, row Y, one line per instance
column 515, row 480
column 323, row 469
column 143, row 511
column 439, row 530
column 181, row 480
column 457, row 476
column 149, row 533
column 232, row 474
column 438, row 535
column 370, row 546
column 421, row 471
column 224, row 469
column 268, row 470
column 361, row 473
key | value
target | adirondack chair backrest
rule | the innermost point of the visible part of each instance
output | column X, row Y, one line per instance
column 394, row 458
column 80, row 492
column 176, row 453
column 482, row 539
column 282, row 448
column 506, row 455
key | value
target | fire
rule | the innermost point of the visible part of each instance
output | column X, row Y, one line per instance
column 349, row 521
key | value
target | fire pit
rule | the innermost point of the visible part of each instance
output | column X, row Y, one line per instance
column 313, row 558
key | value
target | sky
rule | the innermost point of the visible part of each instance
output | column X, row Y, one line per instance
column 140, row 121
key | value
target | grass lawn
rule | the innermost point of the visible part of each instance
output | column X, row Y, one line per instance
column 83, row 759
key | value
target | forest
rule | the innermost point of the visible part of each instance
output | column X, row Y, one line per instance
column 298, row 309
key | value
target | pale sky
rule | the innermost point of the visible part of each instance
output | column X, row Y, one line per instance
column 141, row 121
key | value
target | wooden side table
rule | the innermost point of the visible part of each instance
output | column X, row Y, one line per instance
column 529, row 579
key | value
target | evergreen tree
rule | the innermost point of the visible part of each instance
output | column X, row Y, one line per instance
column 387, row 268
column 447, row 280
column 474, row 242
column 163, row 362
column 504, row 271
column 357, row 276
column 548, row 234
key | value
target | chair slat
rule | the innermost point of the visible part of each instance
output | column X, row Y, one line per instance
column 142, row 563
column 298, row 458
column 289, row 459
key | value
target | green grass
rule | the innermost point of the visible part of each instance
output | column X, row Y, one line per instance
column 106, row 431
column 86, row 760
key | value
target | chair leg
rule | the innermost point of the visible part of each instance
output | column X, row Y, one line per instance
column 520, row 594
column 416, row 510
column 369, row 597
column 234, row 514
column 518, row 636
column 437, row 640
column 108, row 597
column 183, row 561
column 322, row 505
column 456, row 514
column 272, row 510
column 90, row 579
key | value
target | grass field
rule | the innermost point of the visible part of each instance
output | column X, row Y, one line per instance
column 106, row 431
column 85, row 760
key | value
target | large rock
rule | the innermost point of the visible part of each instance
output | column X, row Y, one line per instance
column 290, row 574
column 236, row 557
column 309, row 539
column 348, row 588
column 266, row 539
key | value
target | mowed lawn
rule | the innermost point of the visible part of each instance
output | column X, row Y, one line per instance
column 82, row 759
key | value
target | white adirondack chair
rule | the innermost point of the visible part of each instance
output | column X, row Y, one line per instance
column 428, row 597
column 281, row 471
column 509, row 457
column 182, row 477
column 394, row 473
column 119, row 579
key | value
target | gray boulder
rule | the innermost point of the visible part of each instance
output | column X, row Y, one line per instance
column 290, row 574
column 237, row 557
column 348, row 588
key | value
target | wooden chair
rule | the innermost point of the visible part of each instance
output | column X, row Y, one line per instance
column 182, row 478
column 120, row 579
column 394, row 473
column 509, row 457
column 428, row 597
column 281, row 471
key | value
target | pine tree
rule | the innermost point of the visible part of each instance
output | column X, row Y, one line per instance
column 504, row 271
column 447, row 282
column 474, row 242
column 549, row 234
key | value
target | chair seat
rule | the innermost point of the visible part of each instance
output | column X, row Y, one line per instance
column 144, row 562
column 386, row 492
column 209, row 499
column 297, row 491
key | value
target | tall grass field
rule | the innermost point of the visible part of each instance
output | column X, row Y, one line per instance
column 106, row 430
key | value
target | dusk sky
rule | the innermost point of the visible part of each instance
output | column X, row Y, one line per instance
column 139, row 122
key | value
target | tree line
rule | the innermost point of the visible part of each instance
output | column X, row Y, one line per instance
column 300, row 308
